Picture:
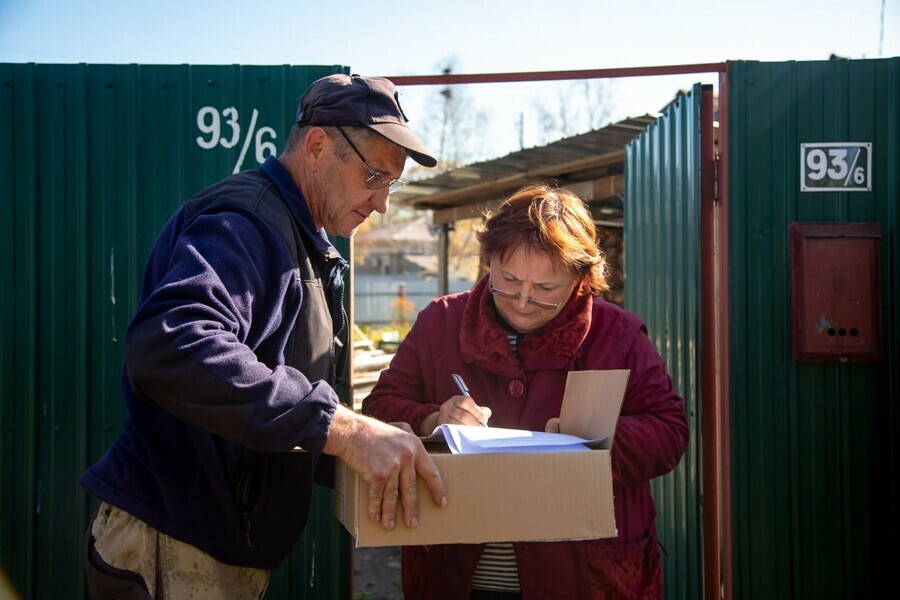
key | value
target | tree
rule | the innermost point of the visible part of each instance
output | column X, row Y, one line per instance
column 575, row 107
column 453, row 124
column 464, row 259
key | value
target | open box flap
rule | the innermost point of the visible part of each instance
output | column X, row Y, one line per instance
column 592, row 402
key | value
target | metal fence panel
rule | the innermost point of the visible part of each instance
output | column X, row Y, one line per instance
column 93, row 160
column 662, row 285
column 814, row 446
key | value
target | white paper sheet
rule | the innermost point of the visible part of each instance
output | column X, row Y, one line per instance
column 472, row 439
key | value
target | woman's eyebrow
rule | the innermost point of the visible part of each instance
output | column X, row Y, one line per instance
column 508, row 275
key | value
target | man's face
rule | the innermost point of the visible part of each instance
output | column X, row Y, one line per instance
column 344, row 201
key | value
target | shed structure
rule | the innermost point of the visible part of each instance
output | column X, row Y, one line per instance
column 591, row 164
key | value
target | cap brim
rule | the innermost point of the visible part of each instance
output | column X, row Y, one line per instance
column 404, row 137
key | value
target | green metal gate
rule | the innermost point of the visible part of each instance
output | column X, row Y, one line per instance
column 662, row 285
column 93, row 160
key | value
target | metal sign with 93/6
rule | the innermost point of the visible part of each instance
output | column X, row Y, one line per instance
column 836, row 167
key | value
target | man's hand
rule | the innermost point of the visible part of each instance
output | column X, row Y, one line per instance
column 388, row 459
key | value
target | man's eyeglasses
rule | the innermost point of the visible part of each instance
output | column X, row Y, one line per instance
column 516, row 297
column 377, row 179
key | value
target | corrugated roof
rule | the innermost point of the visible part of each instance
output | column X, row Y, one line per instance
column 593, row 155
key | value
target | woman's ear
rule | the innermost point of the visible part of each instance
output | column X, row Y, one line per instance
column 582, row 286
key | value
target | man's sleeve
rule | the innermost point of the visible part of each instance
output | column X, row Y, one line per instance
column 188, row 348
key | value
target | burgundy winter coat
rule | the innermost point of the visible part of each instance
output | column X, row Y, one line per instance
column 460, row 334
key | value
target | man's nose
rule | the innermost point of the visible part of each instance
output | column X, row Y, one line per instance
column 381, row 200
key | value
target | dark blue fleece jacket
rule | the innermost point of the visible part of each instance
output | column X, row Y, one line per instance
column 229, row 364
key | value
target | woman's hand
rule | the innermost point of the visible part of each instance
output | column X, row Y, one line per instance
column 458, row 410
column 552, row 425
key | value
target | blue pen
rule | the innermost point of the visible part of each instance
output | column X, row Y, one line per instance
column 463, row 389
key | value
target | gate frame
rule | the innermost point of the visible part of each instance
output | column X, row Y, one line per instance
column 714, row 398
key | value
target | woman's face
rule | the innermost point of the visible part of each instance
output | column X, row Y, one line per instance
column 529, row 288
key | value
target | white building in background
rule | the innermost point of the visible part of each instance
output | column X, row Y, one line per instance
column 398, row 249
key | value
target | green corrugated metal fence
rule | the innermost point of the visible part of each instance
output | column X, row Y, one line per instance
column 814, row 446
column 93, row 160
column 662, row 285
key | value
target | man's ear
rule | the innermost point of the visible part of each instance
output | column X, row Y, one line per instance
column 317, row 144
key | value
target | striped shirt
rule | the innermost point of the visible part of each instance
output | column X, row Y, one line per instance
column 497, row 568
column 514, row 342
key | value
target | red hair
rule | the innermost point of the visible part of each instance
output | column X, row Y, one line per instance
column 552, row 220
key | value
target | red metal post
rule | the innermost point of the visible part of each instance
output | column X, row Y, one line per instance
column 709, row 414
column 556, row 75
column 722, row 335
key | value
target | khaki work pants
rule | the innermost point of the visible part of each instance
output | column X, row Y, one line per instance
column 126, row 558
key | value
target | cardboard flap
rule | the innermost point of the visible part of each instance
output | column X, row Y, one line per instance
column 592, row 402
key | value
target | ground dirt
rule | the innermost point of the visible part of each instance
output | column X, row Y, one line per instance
column 376, row 573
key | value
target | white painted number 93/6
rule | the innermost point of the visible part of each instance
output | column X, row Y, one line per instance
column 836, row 167
column 224, row 129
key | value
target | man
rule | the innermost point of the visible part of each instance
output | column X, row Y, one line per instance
column 230, row 360
column 401, row 308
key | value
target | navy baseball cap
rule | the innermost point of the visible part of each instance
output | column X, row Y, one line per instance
column 362, row 101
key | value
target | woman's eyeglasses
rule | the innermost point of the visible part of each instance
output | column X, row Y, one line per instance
column 377, row 179
column 529, row 300
column 516, row 297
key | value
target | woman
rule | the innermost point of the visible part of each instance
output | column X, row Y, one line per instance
column 534, row 317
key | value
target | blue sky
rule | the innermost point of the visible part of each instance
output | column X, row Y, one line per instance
column 413, row 38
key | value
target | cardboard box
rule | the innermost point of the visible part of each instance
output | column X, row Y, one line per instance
column 516, row 496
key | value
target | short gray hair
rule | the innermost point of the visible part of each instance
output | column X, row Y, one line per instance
column 342, row 148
